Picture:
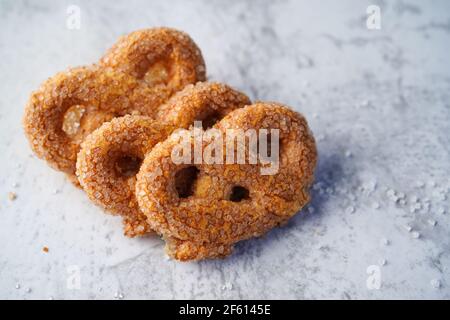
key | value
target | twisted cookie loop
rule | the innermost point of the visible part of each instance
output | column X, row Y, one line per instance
column 91, row 96
column 208, row 221
column 126, row 140
column 70, row 105
column 108, row 161
column 163, row 60
column 157, row 55
column 205, row 101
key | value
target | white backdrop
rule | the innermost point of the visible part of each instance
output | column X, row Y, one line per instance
column 378, row 102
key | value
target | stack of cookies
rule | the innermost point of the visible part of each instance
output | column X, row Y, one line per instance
column 149, row 139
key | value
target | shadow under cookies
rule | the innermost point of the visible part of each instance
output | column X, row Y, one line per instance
column 329, row 175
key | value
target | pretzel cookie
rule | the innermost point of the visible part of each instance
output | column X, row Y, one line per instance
column 138, row 74
column 201, row 210
column 108, row 162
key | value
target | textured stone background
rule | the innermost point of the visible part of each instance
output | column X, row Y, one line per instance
column 377, row 101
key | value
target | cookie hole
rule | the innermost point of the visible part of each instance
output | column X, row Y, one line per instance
column 72, row 119
column 239, row 193
column 209, row 119
column 153, row 73
column 128, row 166
column 185, row 180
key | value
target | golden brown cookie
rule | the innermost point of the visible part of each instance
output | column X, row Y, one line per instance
column 109, row 160
column 201, row 210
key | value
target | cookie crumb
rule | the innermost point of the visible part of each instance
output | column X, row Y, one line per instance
column 45, row 249
column 12, row 196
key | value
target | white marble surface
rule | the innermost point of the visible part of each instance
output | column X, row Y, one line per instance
column 378, row 102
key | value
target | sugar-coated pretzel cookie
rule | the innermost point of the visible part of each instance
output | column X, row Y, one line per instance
column 122, row 144
column 201, row 210
column 138, row 74
column 109, row 160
